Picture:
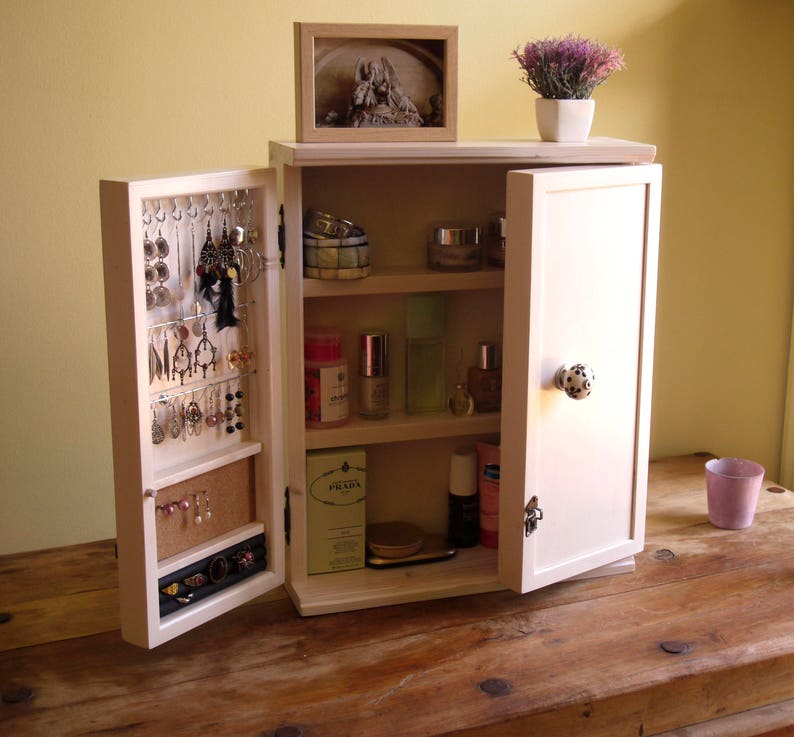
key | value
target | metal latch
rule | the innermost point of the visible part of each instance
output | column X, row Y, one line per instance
column 534, row 515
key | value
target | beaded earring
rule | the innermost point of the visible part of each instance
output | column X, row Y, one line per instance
column 193, row 417
column 229, row 412
column 239, row 411
column 210, row 420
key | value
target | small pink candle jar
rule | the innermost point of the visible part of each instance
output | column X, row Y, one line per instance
column 732, row 489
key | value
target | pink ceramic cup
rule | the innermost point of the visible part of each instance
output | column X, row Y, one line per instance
column 732, row 488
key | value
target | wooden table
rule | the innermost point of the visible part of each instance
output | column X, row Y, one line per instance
column 701, row 634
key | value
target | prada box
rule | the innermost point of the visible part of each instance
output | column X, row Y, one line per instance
column 336, row 509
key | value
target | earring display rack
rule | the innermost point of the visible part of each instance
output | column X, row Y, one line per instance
column 192, row 276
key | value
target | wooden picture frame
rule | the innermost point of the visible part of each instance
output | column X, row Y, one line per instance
column 373, row 82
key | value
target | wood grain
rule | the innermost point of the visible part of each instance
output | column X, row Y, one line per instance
column 579, row 658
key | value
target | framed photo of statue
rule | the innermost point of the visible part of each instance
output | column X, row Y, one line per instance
column 362, row 82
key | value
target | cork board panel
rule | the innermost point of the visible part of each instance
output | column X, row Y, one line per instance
column 231, row 497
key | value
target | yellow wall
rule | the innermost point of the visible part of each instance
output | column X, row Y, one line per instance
column 101, row 88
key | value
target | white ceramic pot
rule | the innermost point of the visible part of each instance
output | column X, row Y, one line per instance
column 564, row 120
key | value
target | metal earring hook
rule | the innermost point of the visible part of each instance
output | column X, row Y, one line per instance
column 192, row 210
column 159, row 213
column 175, row 211
column 209, row 210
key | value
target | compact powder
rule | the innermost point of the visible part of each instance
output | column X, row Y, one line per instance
column 394, row 539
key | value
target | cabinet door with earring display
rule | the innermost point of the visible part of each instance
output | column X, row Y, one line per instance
column 192, row 305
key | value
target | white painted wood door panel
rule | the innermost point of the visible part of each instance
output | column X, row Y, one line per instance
column 579, row 287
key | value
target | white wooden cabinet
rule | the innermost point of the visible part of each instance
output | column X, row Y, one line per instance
column 579, row 286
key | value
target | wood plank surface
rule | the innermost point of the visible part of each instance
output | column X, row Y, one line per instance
column 577, row 658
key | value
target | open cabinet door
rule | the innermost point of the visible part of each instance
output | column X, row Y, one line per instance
column 580, row 288
column 199, row 506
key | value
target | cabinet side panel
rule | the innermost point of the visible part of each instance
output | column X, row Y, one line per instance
column 123, row 362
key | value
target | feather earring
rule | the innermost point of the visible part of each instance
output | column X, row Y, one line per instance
column 207, row 269
column 228, row 269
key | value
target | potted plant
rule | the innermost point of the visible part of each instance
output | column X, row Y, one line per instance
column 564, row 72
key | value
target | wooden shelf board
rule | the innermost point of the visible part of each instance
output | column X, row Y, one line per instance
column 405, row 280
column 401, row 427
column 592, row 151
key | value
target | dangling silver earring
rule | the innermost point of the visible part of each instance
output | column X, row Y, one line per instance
column 157, row 432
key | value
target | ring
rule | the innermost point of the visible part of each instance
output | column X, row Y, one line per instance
column 198, row 580
column 171, row 590
column 219, row 567
column 244, row 558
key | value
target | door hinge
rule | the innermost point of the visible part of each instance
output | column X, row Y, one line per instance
column 282, row 239
column 534, row 514
column 287, row 518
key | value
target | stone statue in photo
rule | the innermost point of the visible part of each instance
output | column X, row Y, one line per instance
column 377, row 97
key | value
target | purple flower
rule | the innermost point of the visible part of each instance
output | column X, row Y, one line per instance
column 568, row 68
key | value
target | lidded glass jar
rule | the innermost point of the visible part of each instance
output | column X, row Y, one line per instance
column 455, row 248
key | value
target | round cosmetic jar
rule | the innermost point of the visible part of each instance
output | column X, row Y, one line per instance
column 455, row 248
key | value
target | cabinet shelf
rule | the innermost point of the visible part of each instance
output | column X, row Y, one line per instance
column 470, row 571
column 400, row 427
column 405, row 280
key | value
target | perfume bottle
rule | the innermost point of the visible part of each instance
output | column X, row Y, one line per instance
column 461, row 403
column 424, row 354
column 485, row 379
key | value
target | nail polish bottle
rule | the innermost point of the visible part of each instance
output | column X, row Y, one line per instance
column 485, row 379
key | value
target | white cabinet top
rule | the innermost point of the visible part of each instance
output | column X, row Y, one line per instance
column 592, row 151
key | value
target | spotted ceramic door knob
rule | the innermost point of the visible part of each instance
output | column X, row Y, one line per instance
column 575, row 379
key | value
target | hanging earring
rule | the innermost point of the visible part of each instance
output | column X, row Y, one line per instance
column 197, row 518
column 155, row 362
column 239, row 411
column 157, row 432
column 181, row 363
column 149, row 252
column 166, row 355
column 182, row 416
column 174, row 428
column 207, row 512
column 228, row 268
column 204, row 346
column 207, row 269
column 178, row 293
column 162, row 295
column 229, row 412
column 210, row 420
column 192, row 213
column 193, row 417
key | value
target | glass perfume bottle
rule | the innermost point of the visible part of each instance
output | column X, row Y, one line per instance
column 424, row 354
column 461, row 403
column 485, row 379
